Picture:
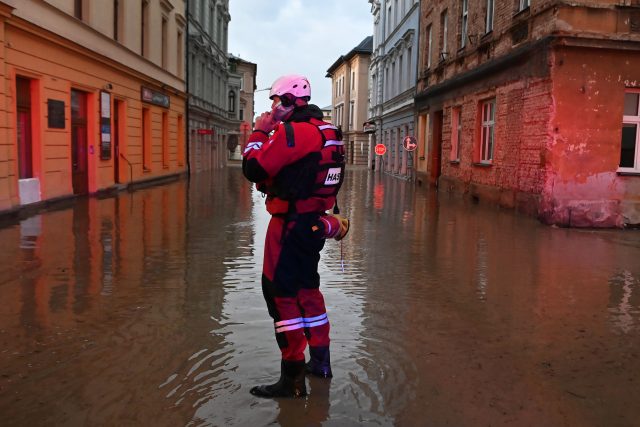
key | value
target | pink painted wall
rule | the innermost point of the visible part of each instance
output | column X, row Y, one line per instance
column 582, row 187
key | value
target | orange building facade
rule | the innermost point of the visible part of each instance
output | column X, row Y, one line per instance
column 84, row 108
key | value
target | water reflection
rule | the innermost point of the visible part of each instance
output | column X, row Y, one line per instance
column 147, row 309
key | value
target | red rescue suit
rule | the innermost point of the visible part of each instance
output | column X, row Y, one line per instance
column 300, row 168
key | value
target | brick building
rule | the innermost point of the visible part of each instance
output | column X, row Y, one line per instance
column 533, row 106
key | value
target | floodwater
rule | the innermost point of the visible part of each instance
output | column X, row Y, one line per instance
column 146, row 309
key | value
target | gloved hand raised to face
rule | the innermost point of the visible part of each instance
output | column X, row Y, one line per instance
column 332, row 226
column 265, row 123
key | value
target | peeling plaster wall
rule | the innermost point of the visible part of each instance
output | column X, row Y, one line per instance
column 582, row 187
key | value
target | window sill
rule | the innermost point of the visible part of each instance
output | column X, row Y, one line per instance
column 628, row 173
column 454, row 162
column 483, row 165
column 522, row 13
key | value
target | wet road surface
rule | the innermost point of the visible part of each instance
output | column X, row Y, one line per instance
column 146, row 309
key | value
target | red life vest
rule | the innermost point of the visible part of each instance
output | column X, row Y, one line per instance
column 317, row 175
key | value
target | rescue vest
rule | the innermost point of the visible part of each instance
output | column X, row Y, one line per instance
column 318, row 174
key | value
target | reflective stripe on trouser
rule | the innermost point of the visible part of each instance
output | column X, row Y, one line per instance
column 290, row 284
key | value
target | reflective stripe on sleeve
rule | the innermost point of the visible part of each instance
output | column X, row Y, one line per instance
column 333, row 142
column 253, row 146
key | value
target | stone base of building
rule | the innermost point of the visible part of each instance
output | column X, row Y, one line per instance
column 562, row 213
column 18, row 213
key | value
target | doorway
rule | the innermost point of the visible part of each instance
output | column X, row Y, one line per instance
column 79, row 155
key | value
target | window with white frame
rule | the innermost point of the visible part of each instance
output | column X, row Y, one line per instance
column 524, row 4
column 400, row 74
column 630, row 143
column 444, row 30
column 487, row 130
column 456, row 133
column 464, row 23
column 489, row 21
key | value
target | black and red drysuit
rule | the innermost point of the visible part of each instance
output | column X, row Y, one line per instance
column 300, row 168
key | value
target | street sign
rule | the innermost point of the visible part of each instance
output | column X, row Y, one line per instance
column 380, row 149
column 409, row 143
column 369, row 127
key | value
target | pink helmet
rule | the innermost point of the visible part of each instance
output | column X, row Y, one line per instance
column 294, row 84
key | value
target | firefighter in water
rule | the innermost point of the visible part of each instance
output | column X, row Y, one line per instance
column 298, row 161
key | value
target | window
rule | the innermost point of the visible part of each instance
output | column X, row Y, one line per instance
column 232, row 101
column 630, row 144
column 392, row 90
column 164, row 41
column 146, row 139
column 389, row 20
column 165, row 140
column 77, row 8
column 181, row 147
column 353, row 80
column 144, row 19
column 524, row 4
column 409, row 82
column 456, row 133
column 351, row 113
column 429, row 46
column 464, row 23
column 116, row 12
column 443, row 35
column 211, row 21
column 489, row 22
column 400, row 75
column 487, row 130
column 179, row 55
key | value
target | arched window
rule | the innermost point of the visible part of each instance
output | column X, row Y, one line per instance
column 232, row 101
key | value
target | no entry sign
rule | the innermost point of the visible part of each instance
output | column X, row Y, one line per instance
column 380, row 149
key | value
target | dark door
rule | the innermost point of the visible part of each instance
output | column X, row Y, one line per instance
column 79, row 159
column 436, row 152
column 116, row 140
column 25, row 157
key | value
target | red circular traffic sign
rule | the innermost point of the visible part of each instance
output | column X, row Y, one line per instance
column 380, row 149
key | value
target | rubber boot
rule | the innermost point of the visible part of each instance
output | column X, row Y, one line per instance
column 291, row 383
column 319, row 364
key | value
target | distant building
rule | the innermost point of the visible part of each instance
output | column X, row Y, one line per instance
column 246, row 73
column 327, row 113
column 534, row 106
column 92, row 96
column 393, row 81
column 211, row 119
column 349, row 77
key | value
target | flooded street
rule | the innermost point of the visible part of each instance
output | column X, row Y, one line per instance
column 146, row 309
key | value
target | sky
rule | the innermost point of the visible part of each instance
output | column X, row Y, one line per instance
column 296, row 37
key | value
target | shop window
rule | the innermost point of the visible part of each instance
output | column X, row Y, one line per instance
column 146, row 139
column 181, row 147
column 165, row 140
column 487, row 130
column 630, row 143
